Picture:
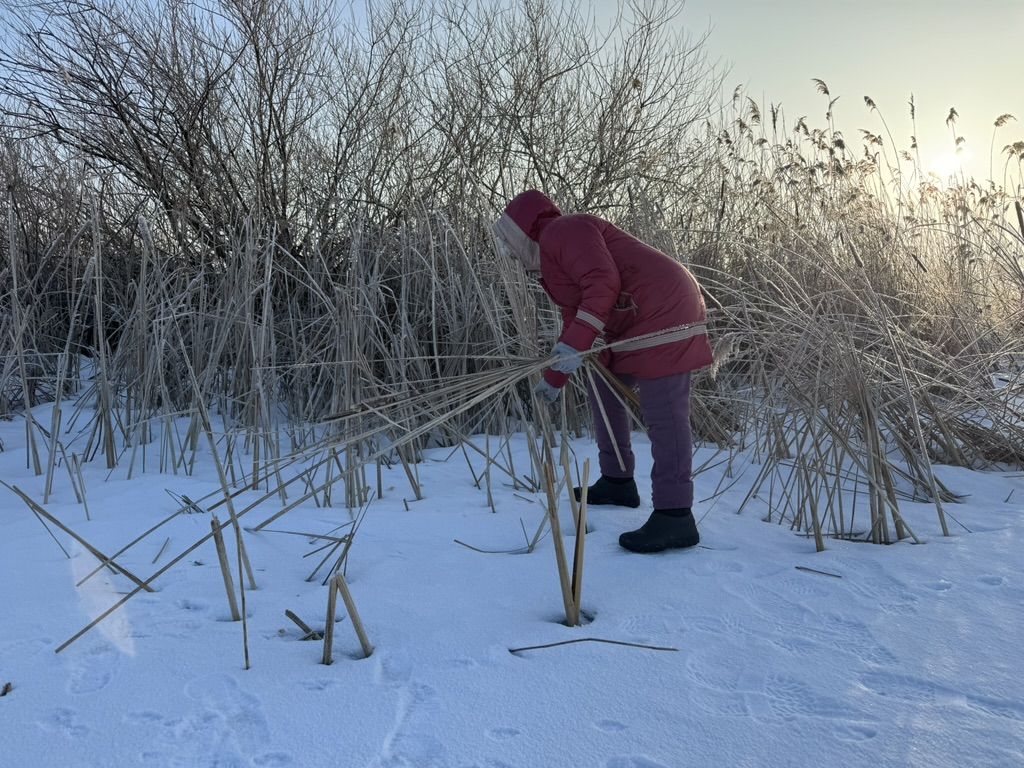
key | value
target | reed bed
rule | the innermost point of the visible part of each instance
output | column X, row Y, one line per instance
column 261, row 237
column 289, row 264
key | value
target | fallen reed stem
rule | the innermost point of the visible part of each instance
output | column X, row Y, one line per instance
column 592, row 640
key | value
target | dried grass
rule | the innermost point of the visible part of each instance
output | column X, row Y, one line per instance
column 329, row 299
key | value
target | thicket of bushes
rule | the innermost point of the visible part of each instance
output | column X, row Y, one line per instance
column 296, row 202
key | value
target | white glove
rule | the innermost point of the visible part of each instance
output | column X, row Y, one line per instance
column 567, row 359
column 546, row 392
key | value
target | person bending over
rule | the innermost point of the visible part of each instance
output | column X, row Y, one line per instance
column 649, row 310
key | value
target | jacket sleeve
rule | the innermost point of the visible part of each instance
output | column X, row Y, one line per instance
column 581, row 252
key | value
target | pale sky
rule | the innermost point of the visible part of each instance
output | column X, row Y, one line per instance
column 949, row 53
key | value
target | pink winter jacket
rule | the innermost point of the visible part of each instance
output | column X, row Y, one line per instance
column 608, row 283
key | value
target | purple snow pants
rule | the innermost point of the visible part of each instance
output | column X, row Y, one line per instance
column 665, row 404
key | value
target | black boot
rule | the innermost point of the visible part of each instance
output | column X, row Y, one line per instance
column 665, row 529
column 620, row 492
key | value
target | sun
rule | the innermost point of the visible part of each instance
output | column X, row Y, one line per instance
column 948, row 164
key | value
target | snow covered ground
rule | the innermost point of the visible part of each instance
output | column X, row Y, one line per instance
column 911, row 658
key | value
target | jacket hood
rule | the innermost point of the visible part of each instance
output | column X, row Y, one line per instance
column 530, row 210
column 520, row 225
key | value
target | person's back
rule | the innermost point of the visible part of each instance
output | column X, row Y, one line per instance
column 648, row 273
column 654, row 294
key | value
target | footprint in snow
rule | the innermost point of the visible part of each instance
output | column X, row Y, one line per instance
column 65, row 722
column 503, row 734
column 174, row 627
column 793, row 644
column 798, row 628
column 645, row 627
column 634, row 761
column 1011, row 710
column 788, row 698
column 462, row 663
column 914, row 690
column 992, row 581
column 320, row 684
column 878, row 590
column 715, row 671
column 767, row 596
column 145, row 717
column 610, row 726
column 720, row 682
column 241, row 712
column 901, row 687
column 851, row 634
column 726, row 624
column 412, row 740
column 392, row 668
column 806, row 586
column 225, row 727
column 29, row 647
column 853, row 732
column 189, row 604
column 721, row 703
column 92, row 668
column 272, row 760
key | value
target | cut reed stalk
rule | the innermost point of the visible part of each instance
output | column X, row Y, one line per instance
column 556, row 537
column 332, row 601
column 225, row 568
column 581, row 538
column 308, row 632
column 342, row 586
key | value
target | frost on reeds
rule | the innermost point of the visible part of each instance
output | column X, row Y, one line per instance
column 265, row 232
column 874, row 320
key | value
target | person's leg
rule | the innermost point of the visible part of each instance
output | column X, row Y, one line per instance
column 665, row 403
column 619, row 436
column 616, row 485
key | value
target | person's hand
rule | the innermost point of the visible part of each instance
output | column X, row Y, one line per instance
column 567, row 359
column 546, row 392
